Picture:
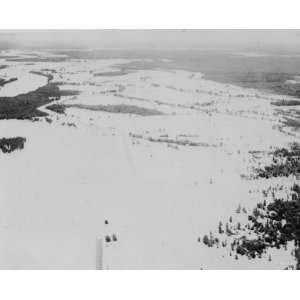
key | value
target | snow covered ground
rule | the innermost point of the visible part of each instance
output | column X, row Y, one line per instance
column 161, row 181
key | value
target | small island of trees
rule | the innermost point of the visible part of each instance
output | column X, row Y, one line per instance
column 8, row 145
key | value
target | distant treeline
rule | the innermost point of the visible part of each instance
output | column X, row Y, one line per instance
column 35, row 59
column 110, row 108
column 268, row 81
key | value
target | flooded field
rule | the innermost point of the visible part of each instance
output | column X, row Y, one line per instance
column 149, row 152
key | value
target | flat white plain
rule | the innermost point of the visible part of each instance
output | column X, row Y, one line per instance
column 158, row 198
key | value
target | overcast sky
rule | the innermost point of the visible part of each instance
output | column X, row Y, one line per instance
column 289, row 39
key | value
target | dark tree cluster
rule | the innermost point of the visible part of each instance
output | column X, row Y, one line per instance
column 285, row 163
column 25, row 106
column 58, row 108
column 119, row 108
column 286, row 102
column 273, row 224
column 8, row 145
column 210, row 240
column 112, row 238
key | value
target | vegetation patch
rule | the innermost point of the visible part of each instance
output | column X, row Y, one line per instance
column 289, row 122
column 37, row 59
column 272, row 224
column 58, row 108
column 111, row 73
column 67, row 92
column 118, row 108
column 172, row 142
column 284, row 163
column 286, row 103
column 25, row 106
column 6, row 81
column 8, row 145
column 277, row 82
column 49, row 76
column 184, row 142
column 8, row 56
